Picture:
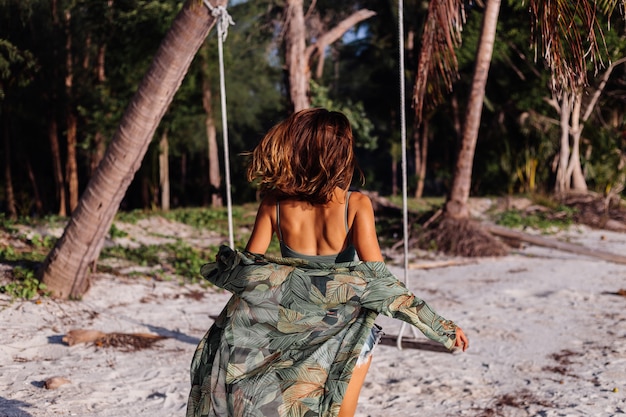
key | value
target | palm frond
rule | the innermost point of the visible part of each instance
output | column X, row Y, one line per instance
column 608, row 6
column 568, row 35
column 437, row 67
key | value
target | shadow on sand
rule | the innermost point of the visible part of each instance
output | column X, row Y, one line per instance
column 13, row 408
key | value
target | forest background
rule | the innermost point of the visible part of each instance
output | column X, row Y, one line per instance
column 69, row 68
column 72, row 79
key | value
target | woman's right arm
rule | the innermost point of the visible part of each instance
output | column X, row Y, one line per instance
column 262, row 232
column 364, row 237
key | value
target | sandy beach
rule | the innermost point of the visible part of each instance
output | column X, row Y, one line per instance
column 547, row 332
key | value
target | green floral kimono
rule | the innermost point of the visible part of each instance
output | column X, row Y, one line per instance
column 286, row 343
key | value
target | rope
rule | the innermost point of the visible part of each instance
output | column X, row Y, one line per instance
column 223, row 21
column 405, row 211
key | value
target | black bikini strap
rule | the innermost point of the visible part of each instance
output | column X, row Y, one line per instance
column 280, row 233
column 347, row 202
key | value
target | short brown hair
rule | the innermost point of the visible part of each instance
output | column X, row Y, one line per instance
column 305, row 157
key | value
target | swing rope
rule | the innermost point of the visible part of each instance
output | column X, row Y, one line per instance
column 224, row 20
column 405, row 211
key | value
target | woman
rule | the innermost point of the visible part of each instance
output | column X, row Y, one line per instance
column 296, row 338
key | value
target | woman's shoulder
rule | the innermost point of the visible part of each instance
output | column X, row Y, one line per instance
column 268, row 200
column 267, row 206
column 358, row 199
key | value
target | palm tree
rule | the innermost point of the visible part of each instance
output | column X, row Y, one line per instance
column 558, row 28
column 65, row 270
column 456, row 205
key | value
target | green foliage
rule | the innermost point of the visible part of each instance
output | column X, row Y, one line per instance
column 17, row 67
column 43, row 242
column 114, row 232
column 144, row 255
column 24, row 285
column 6, row 223
column 131, row 216
column 518, row 134
column 215, row 219
column 362, row 126
column 7, row 253
column 546, row 221
column 419, row 205
column 187, row 261
column 35, row 248
column 175, row 258
column 179, row 258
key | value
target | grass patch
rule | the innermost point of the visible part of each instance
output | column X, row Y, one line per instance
column 24, row 285
column 419, row 205
column 560, row 218
column 35, row 249
column 177, row 258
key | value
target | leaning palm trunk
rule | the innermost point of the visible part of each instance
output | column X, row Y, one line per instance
column 456, row 206
column 65, row 270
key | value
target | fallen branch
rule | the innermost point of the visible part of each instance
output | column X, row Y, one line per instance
column 554, row 244
column 441, row 264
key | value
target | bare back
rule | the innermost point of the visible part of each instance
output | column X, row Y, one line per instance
column 319, row 229
column 313, row 229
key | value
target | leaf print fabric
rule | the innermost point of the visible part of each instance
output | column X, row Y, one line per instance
column 287, row 341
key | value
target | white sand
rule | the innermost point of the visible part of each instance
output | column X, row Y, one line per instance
column 547, row 333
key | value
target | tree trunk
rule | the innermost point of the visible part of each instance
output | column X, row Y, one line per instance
column 65, row 270
column 215, row 179
column 575, row 171
column 33, row 182
column 8, row 180
column 394, row 177
column 55, row 151
column 183, row 176
column 420, row 139
column 71, row 168
column 99, row 139
column 298, row 56
column 164, row 171
column 562, row 182
column 53, row 126
column 295, row 59
column 99, row 147
column 569, row 172
column 456, row 206
column 555, row 244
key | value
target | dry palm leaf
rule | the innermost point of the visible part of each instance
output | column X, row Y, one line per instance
column 126, row 341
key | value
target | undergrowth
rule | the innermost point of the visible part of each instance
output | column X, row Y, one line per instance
column 560, row 218
column 178, row 258
column 24, row 284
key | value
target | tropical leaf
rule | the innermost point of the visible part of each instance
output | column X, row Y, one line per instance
column 235, row 371
column 437, row 67
column 290, row 321
column 403, row 301
column 326, row 356
column 339, row 291
column 279, row 275
column 308, row 382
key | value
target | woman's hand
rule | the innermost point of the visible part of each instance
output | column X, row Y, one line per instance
column 461, row 340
